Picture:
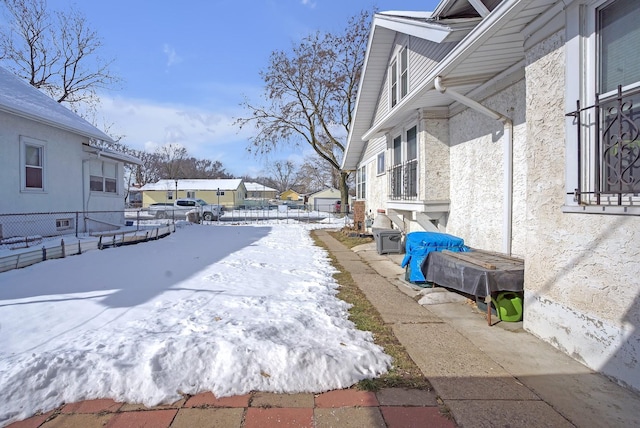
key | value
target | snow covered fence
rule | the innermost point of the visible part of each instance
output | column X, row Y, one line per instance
column 47, row 249
column 56, row 223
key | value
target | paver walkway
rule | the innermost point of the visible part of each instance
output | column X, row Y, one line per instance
column 390, row 407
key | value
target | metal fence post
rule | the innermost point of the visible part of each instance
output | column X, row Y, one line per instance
column 62, row 245
column 77, row 217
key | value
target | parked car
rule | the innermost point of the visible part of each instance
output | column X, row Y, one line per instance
column 181, row 207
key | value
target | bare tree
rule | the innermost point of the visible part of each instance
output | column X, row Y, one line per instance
column 316, row 174
column 310, row 94
column 56, row 52
column 203, row 168
column 282, row 175
column 170, row 160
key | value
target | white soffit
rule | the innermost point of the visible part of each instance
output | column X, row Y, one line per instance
column 427, row 29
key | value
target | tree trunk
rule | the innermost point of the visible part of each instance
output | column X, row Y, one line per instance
column 344, row 192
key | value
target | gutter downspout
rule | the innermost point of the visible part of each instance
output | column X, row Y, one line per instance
column 507, row 212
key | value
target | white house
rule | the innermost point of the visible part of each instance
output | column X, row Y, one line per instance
column 48, row 165
column 481, row 119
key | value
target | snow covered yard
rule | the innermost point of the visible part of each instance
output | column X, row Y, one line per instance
column 227, row 309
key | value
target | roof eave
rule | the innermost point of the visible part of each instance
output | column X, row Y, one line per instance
column 468, row 44
column 98, row 135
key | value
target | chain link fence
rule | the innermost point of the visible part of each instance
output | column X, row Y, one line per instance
column 28, row 229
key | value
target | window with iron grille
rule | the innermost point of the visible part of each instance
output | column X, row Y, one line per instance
column 403, row 175
column 607, row 118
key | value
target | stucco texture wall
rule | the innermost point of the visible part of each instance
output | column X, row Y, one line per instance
column 477, row 173
column 376, row 188
column 434, row 159
column 582, row 277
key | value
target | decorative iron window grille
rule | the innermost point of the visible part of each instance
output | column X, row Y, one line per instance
column 403, row 180
column 609, row 168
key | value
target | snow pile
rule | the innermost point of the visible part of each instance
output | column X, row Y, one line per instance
column 227, row 309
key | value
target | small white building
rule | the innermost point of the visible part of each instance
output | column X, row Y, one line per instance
column 514, row 124
column 49, row 165
column 324, row 200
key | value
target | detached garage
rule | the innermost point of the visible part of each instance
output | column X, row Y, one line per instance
column 324, row 200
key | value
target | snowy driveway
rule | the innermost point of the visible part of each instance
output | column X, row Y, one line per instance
column 227, row 309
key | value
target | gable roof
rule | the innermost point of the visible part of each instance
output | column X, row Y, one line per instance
column 195, row 184
column 491, row 47
column 21, row 99
column 257, row 187
column 329, row 191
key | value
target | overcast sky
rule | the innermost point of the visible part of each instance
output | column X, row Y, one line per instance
column 186, row 66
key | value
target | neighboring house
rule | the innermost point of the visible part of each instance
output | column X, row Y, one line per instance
column 257, row 191
column 49, row 165
column 227, row 192
column 478, row 120
column 290, row 195
column 324, row 200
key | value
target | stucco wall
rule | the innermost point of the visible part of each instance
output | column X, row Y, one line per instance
column 434, row 174
column 582, row 282
column 376, row 188
column 477, row 147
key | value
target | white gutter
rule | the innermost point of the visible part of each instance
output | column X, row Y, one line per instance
column 507, row 213
column 501, row 15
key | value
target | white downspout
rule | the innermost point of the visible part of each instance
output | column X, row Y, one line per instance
column 507, row 212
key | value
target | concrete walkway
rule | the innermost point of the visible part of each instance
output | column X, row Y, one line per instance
column 498, row 376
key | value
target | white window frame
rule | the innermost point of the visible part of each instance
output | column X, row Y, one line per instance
column 399, row 76
column 393, row 83
column 403, row 72
column 170, row 195
column 191, row 194
column 361, row 182
column 402, row 133
column 42, row 146
column 582, row 60
column 105, row 179
column 64, row 224
column 380, row 163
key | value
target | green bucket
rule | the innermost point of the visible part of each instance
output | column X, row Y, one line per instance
column 509, row 306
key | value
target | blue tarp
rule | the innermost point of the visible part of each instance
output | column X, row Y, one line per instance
column 418, row 246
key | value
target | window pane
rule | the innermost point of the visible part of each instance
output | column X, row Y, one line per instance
column 95, row 183
column 397, row 150
column 412, row 144
column 394, row 84
column 619, row 36
column 381, row 163
column 33, row 155
column 404, row 77
column 621, row 146
column 109, row 170
column 110, row 185
column 403, row 60
column 95, row 168
column 33, row 178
